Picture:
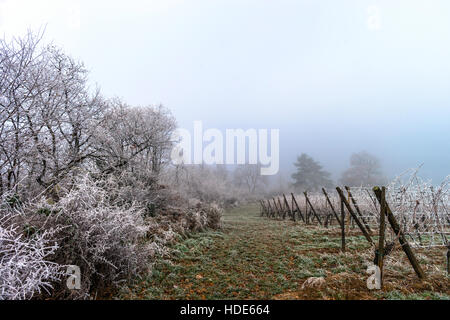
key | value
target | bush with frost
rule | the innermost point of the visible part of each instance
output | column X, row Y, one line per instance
column 201, row 217
column 112, row 241
column 207, row 184
column 26, row 268
column 103, row 238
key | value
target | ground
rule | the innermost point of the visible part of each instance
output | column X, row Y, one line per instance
column 254, row 257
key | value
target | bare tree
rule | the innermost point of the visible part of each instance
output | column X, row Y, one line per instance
column 249, row 176
column 365, row 170
column 48, row 113
column 134, row 138
column 16, row 58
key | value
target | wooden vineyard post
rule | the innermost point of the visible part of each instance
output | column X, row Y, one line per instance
column 328, row 216
column 357, row 209
column 280, row 208
column 380, row 251
column 306, row 210
column 266, row 208
column 269, row 214
column 342, row 226
column 401, row 237
column 282, row 211
column 289, row 208
column 312, row 208
column 298, row 208
column 263, row 208
column 276, row 207
column 331, row 206
column 292, row 206
column 448, row 260
column 350, row 210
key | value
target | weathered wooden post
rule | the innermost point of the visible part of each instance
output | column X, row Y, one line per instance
column 298, row 208
column 350, row 210
column 448, row 260
column 327, row 218
column 293, row 208
column 289, row 208
column 282, row 210
column 331, row 205
column 401, row 237
column 380, row 251
column 276, row 207
column 312, row 208
column 327, row 215
column 342, row 226
column 306, row 209
column 271, row 211
column 355, row 204
column 266, row 208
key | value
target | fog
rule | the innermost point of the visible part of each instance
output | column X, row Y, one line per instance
column 333, row 77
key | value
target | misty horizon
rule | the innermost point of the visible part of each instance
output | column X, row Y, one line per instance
column 223, row 154
column 335, row 79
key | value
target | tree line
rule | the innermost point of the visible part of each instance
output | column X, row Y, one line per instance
column 364, row 170
column 52, row 123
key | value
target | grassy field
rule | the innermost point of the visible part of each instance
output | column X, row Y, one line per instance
column 258, row 258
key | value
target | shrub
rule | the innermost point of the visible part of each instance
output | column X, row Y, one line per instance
column 25, row 266
column 104, row 239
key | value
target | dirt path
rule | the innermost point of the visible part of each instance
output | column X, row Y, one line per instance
column 257, row 258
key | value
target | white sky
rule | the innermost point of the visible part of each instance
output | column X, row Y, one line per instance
column 334, row 76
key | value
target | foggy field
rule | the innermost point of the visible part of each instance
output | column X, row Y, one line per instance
column 258, row 258
column 184, row 150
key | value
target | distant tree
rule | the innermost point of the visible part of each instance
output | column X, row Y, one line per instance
column 365, row 170
column 249, row 176
column 310, row 176
column 222, row 171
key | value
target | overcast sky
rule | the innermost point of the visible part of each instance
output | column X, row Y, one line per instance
column 334, row 76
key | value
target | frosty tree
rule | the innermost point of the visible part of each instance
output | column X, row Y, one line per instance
column 310, row 175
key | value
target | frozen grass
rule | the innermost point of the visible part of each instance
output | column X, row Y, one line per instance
column 259, row 258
